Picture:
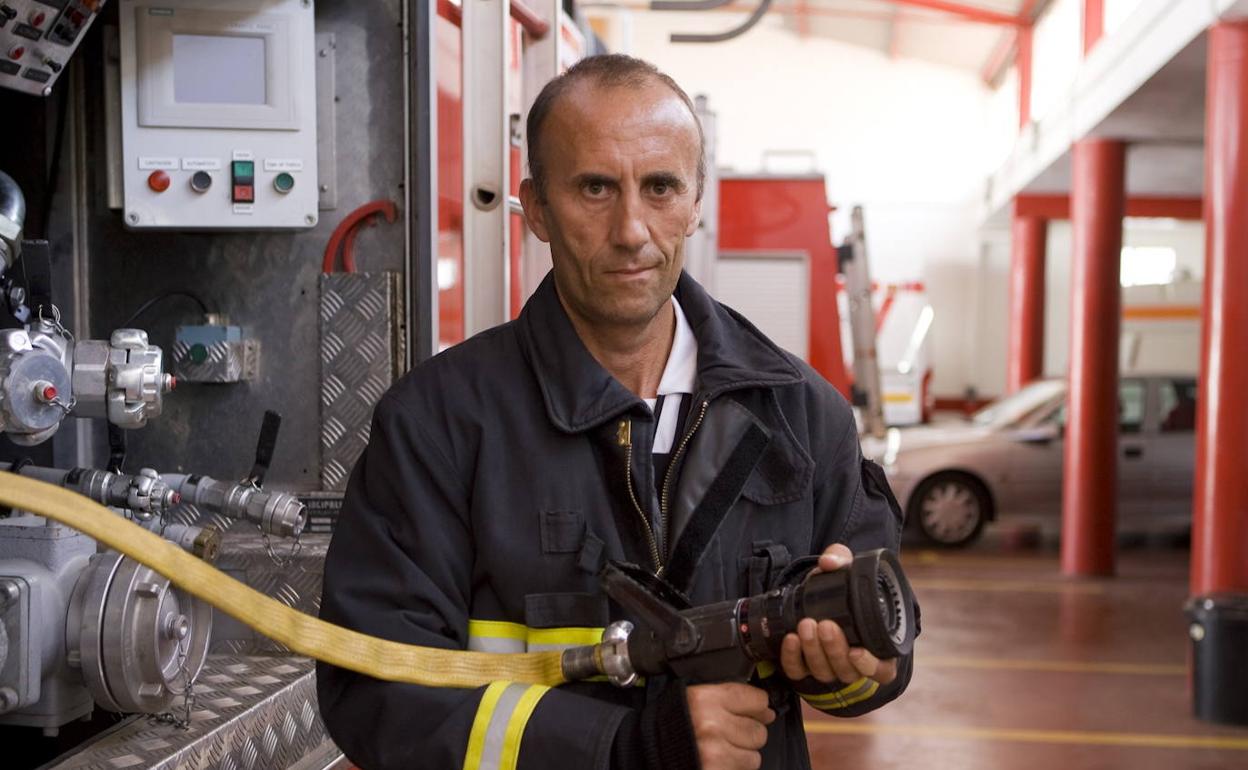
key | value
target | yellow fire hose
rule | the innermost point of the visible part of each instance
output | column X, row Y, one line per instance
column 303, row 634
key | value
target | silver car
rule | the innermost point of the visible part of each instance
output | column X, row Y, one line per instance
column 1007, row 459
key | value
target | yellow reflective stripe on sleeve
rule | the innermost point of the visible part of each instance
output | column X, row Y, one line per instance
column 846, row 696
column 497, row 629
column 481, row 724
column 494, row 742
column 515, row 726
column 502, row 636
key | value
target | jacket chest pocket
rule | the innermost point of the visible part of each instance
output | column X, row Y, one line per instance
column 570, row 551
column 558, row 620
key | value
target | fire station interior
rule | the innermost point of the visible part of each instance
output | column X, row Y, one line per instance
column 1010, row 233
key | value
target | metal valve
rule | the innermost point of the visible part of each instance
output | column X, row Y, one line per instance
column 45, row 375
column 12, row 217
column 32, row 368
column 122, row 380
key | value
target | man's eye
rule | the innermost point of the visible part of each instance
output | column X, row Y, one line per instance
column 662, row 188
column 595, row 189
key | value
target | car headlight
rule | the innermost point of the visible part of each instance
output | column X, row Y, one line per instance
column 892, row 446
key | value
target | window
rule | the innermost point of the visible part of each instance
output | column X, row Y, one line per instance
column 1130, row 406
column 1148, row 265
column 1178, row 406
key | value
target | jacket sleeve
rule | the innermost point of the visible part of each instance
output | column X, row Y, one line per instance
column 855, row 506
column 400, row 567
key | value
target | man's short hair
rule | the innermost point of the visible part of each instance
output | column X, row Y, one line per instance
column 610, row 71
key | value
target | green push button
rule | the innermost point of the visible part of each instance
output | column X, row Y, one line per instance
column 198, row 353
column 244, row 169
column 283, row 183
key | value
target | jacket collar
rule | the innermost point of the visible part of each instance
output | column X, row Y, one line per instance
column 580, row 394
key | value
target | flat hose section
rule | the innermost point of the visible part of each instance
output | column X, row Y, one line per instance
column 303, row 634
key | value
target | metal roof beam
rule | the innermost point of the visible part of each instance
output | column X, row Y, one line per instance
column 967, row 12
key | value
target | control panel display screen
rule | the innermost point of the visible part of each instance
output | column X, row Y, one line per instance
column 219, row 69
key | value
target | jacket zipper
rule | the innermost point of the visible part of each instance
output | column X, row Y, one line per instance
column 671, row 467
column 624, row 435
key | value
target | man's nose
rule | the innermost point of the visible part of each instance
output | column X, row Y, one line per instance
column 628, row 227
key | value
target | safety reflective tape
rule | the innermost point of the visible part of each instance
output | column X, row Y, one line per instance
column 501, row 636
column 504, row 711
column 846, row 696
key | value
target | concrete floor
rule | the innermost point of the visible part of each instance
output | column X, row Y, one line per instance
column 1019, row 668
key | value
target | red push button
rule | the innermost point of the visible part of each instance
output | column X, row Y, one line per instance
column 17, row 52
column 158, row 181
column 244, row 193
column 37, row 18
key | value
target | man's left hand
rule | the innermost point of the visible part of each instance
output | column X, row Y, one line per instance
column 819, row 648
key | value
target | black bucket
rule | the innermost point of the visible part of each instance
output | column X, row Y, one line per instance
column 1219, row 633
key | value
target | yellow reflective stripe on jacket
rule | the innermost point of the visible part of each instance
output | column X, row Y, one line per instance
column 504, row 711
column 846, row 696
column 501, row 636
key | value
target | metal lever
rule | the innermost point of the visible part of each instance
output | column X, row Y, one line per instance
column 264, row 448
column 116, row 448
column 678, row 633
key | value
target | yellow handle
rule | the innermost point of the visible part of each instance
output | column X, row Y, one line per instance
column 303, row 634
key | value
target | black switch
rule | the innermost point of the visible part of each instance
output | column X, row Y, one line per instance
column 7, row 13
column 9, row 67
column 28, row 32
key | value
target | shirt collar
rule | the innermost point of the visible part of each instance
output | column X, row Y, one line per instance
column 580, row 394
column 681, row 371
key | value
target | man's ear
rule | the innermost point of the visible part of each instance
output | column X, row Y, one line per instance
column 534, row 211
column 694, row 217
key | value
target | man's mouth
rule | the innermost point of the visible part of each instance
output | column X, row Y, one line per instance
column 636, row 270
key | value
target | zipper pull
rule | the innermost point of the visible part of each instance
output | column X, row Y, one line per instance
column 624, row 433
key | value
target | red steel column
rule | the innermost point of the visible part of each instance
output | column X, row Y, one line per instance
column 1093, row 23
column 1220, row 507
column 1089, row 495
column 1026, row 36
column 1027, row 256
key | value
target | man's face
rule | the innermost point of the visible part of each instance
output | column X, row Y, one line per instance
column 621, row 197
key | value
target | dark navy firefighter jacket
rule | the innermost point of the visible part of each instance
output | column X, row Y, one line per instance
column 492, row 491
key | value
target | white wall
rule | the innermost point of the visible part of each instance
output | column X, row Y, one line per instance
column 903, row 138
column 1057, row 50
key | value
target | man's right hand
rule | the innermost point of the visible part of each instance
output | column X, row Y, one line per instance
column 730, row 724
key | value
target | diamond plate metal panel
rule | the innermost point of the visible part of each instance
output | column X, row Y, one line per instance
column 294, row 579
column 250, row 713
column 359, row 349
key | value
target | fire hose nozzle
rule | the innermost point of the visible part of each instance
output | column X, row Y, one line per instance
column 870, row 600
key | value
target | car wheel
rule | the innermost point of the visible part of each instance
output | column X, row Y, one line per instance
column 950, row 508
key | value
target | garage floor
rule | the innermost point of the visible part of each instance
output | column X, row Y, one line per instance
column 1019, row 668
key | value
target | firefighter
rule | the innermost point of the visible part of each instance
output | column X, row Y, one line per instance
column 625, row 415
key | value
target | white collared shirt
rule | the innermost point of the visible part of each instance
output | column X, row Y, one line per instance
column 676, row 385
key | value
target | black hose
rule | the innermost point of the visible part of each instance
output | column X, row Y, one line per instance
column 720, row 37
column 146, row 306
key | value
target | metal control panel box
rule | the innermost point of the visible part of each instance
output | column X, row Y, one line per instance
column 218, row 114
column 37, row 37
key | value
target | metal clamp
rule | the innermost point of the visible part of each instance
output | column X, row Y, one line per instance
column 616, row 664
